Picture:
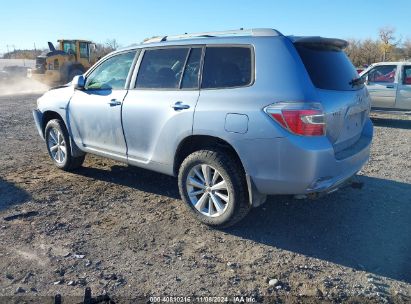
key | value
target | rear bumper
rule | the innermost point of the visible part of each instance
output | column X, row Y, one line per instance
column 38, row 119
column 299, row 165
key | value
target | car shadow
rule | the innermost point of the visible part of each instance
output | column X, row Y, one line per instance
column 134, row 177
column 391, row 123
column 11, row 195
column 365, row 229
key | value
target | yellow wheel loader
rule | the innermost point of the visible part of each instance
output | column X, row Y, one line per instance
column 60, row 66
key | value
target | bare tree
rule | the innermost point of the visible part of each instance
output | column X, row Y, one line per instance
column 370, row 51
column 112, row 44
column 363, row 52
column 353, row 51
column 102, row 49
column 407, row 48
column 387, row 38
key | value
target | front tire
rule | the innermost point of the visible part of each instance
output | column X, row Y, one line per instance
column 213, row 186
column 58, row 146
column 73, row 73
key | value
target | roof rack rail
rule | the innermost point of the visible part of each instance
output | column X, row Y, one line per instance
column 239, row 32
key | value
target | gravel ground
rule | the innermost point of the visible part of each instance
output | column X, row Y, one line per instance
column 124, row 231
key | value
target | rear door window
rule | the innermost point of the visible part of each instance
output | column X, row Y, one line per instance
column 382, row 73
column 162, row 68
column 227, row 67
column 329, row 68
column 407, row 75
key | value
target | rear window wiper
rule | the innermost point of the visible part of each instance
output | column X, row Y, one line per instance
column 356, row 81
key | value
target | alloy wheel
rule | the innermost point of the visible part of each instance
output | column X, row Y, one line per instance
column 57, row 145
column 207, row 190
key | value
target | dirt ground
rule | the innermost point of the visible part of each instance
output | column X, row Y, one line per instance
column 124, row 231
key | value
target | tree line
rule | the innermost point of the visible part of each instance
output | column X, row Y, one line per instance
column 386, row 48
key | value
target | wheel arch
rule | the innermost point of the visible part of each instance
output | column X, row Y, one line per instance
column 194, row 143
column 49, row 115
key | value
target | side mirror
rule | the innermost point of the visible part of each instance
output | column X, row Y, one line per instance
column 78, row 82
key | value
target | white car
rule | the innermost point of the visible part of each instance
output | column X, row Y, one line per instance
column 389, row 85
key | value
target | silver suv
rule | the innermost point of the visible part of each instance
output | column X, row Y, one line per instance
column 236, row 115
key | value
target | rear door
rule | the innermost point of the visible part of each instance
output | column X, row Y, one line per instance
column 403, row 100
column 345, row 103
column 158, row 109
column 382, row 86
column 95, row 112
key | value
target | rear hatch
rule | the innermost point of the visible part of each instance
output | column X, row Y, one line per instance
column 345, row 103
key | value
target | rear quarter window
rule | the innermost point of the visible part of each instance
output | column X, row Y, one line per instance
column 329, row 68
column 227, row 67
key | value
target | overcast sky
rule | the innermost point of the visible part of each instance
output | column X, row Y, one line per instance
column 23, row 24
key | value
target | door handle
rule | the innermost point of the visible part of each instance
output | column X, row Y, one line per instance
column 180, row 106
column 390, row 86
column 114, row 102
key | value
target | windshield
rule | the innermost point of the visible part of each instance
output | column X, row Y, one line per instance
column 69, row 47
column 329, row 68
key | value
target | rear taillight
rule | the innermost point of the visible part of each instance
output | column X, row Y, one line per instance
column 300, row 118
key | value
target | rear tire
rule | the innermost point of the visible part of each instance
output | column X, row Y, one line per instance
column 213, row 186
column 58, row 146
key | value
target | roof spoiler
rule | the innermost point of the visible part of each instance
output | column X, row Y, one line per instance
column 320, row 42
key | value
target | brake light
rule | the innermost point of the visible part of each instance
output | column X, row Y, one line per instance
column 306, row 119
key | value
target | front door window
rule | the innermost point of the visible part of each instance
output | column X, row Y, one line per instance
column 112, row 73
column 384, row 74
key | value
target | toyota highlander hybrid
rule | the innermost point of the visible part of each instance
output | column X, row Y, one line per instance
column 235, row 115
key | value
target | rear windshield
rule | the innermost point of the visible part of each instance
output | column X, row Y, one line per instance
column 329, row 68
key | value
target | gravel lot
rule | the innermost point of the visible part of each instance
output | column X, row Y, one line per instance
column 125, row 232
